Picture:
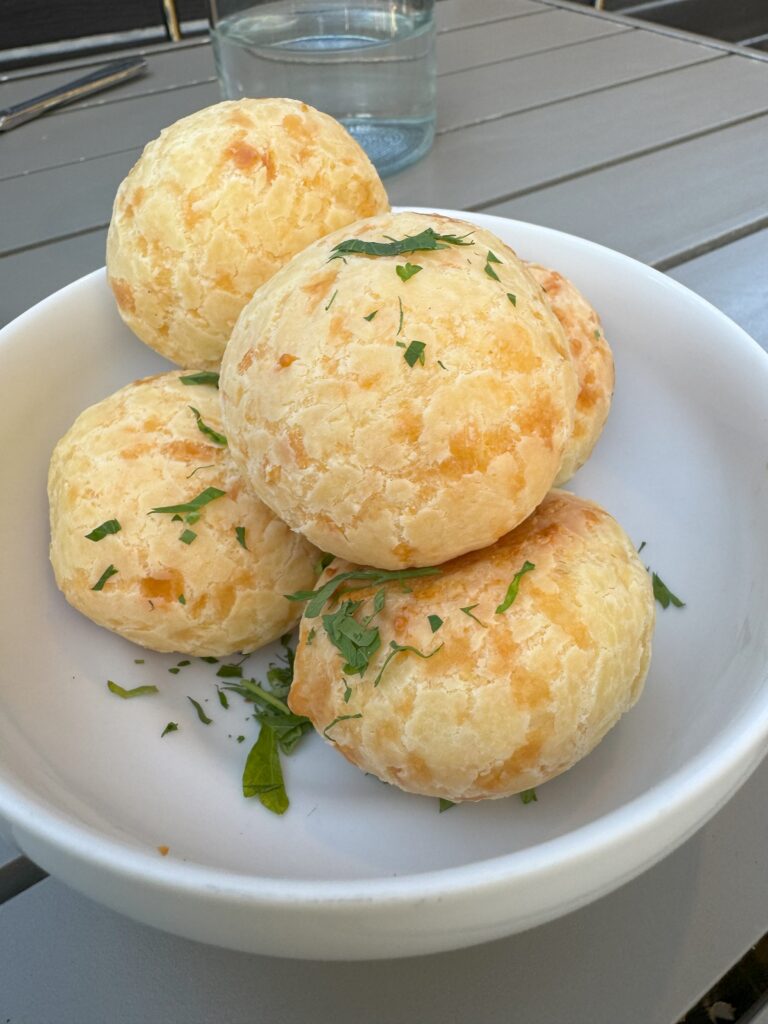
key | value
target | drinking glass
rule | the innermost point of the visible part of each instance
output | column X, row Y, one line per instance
column 368, row 63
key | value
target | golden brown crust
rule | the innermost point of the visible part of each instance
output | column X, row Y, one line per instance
column 216, row 205
column 378, row 461
column 592, row 360
column 509, row 704
column 139, row 449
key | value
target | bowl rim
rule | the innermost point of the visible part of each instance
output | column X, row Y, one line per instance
column 734, row 752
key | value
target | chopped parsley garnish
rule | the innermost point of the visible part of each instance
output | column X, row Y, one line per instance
column 407, row 271
column 176, row 518
column 171, row 727
column 528, row 796
column 400, row 323
column 402, row 649
column 240, row 739
column 203, row 377
column 223, row 700
column 435, row 622
column 138, row 661
column 182, row 599
column 468, row 611
column 371, row 316
column 323, row 562
column 513, row 587
column 230, row 672
column 193, row 506
column 203, row 427
column 209, row 659
column 642, row 545
column 446, row 805
column 110, row 526
column 368, row 577
column 441, row 364
column 491, row 258
column 512, row 298
column 663, row 594
column 340, row 718
column 597, row 335
column 330, row 303
column 415, row 353
column 137, row 691
column 109, row 571
column 263, row 773
column 183, row 664
column 425, row 241
column 174, row 671
column 356, row 642
column 400, row 344
column 347, row 693
column 240, row 534
column 187, row 536
column 200, row 713
column 311, row 636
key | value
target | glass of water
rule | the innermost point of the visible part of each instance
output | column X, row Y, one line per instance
column 368, row 63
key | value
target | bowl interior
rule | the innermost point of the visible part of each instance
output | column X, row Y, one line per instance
column 682, row 465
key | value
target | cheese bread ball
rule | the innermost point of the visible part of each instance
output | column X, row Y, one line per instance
column 205, row 586
column 400, row 410
column 216, row 205
column 500, row 700
column 592, row 360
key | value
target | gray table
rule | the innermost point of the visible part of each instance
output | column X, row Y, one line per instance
column 650, row 141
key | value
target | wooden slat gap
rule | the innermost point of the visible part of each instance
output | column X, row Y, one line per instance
column 659, row 30
column 64, row 237
column 491, row 21
column 533, row 53
column 577, row 95
column 711, row 244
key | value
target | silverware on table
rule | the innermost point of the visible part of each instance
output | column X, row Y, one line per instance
column 103, row 78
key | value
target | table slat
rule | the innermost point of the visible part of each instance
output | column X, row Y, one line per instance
column 526, row 151
column 485, row 93
column 667, row 204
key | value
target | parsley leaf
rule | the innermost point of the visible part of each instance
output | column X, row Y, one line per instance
column 446, row 805
column 137, row 691
column 193, row 506
column 357, row 643
column 369, row 577
column 528, row 796
column 415, row 353
column 425, row 241
column 512, row 298
column 171, row 727
column 110, row 526
column 187, row 536
column 203, row 377
column 240, row 534
column 491, row 272
column 405, row 273
column 109, row 571
column 223, row 699
column 263, row 774
column 513, row 587
column 401, row 649
column 435, row 622
column 441, row 364
column 230, row 672
column 492, row 257
column 663, row 594
column 371, row 315
column 203, row 427
column 323, row 562
column 468, row 611
column 340, row 718
column 200, row 713
column 182, row 599
column 400, row 324
column 331, row 300
column 642, row 545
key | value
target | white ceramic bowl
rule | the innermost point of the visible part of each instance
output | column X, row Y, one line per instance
column 356, row 869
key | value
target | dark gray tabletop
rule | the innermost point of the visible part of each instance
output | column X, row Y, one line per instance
column 649, row 141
